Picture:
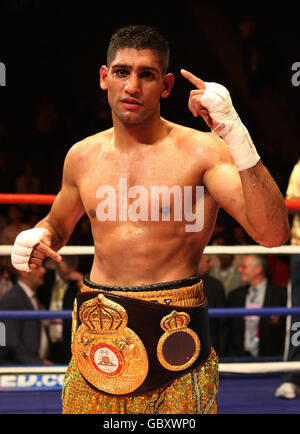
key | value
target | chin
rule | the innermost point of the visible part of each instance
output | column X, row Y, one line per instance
column 131, row 118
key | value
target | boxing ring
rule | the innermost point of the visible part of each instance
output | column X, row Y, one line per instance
column 246, row 386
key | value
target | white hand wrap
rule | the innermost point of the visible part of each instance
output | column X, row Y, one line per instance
column 217, row 100
column 23, row 247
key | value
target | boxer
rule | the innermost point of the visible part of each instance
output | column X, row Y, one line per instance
column 142, row 293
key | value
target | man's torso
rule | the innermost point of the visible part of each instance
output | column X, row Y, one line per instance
column 150, row 214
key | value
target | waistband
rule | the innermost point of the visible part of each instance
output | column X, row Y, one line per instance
column 185, row 292
column 173, row 284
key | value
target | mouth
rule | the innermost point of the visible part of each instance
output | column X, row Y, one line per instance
column 131, row 103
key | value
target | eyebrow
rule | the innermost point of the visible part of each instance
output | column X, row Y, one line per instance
column 142, row 67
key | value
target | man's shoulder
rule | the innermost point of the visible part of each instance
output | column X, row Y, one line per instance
column 200, row 141
column 12, row 297
column 186, row 133
column 238, row 292
column 93, row 141
column 84, row 150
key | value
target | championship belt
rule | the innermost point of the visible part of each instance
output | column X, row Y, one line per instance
column 157, row 348
column 108, row 354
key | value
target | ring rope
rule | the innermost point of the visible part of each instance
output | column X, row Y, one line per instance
column 213, row 313
column 47, row 199
column 5, row 250
column 22, row 199
column 259, row 368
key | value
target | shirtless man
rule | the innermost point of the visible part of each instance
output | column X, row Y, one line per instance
column 146, row 150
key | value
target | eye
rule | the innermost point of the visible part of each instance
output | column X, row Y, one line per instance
column 148, row 75
column 121, row 72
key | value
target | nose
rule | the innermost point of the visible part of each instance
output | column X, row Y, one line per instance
column 132, row 86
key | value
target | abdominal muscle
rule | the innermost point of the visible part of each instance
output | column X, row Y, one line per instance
column 143, row 253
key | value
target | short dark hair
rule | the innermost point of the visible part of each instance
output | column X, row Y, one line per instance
column 140, row 37
column 262, row 261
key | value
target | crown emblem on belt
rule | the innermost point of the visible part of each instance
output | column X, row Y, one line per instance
column 101, row 315
column 175, row 320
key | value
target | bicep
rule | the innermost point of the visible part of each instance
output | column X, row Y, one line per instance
column 223, row 183
column 67, row 207
column 66, row 210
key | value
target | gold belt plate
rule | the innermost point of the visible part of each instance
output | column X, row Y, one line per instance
column 107, row 353
column 179, row 347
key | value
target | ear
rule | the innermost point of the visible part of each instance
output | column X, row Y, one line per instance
column 168, row 82
column 103, row 77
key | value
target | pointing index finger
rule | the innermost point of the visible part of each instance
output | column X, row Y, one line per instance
column 48, row 252
column 197, row 82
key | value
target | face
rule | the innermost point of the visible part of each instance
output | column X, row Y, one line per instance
column 64, row 271
column 36, row 277
column 249, row 272
column 205, row 264
column 135, row 83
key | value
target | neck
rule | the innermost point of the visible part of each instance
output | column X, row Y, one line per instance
column 129, row 138
column 28, row 283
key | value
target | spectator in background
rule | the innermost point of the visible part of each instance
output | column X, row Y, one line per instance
column 290, row 387
column 215, row 294
column 5, row 280
column 62, row 283
column 224, row 269
column 3, row 223
column 46, row 131
column 256, row 336
column 240, row 236
column 279, row 270
column 15, row 225
column 5, row 173
column 27, row 182
column 26, row 340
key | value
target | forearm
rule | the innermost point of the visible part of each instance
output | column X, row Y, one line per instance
column 58, row 239
column 62, row 218
column 265, row 210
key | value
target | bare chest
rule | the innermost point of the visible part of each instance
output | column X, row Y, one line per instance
column 151, row 183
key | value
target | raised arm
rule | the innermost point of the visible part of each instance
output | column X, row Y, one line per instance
column 235, row 176
column 53, row 232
